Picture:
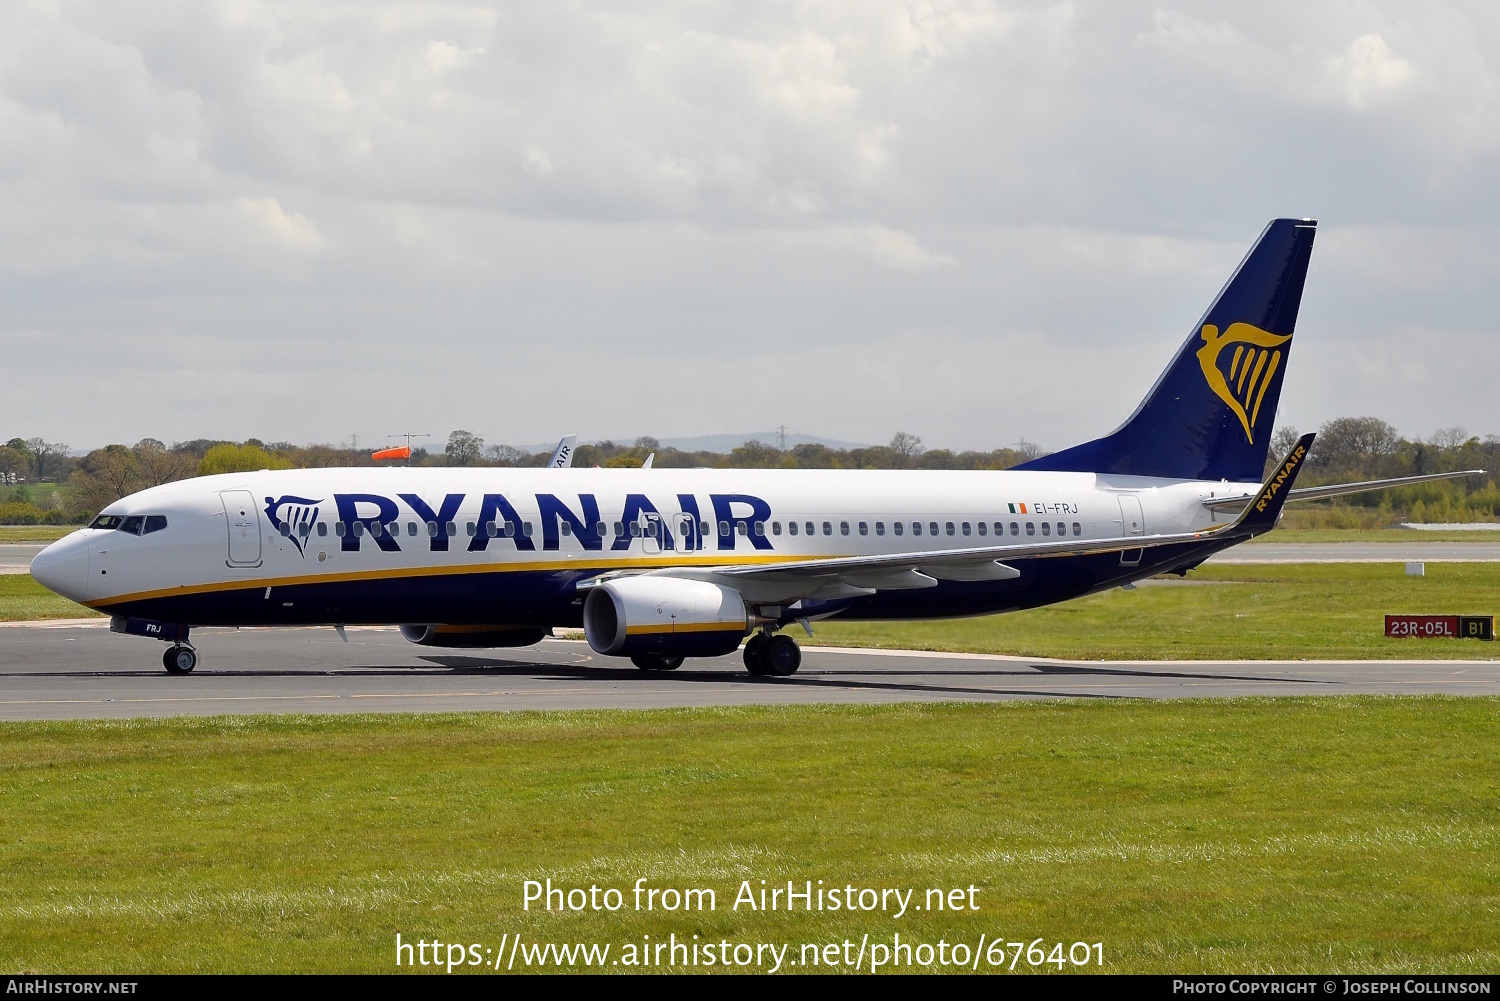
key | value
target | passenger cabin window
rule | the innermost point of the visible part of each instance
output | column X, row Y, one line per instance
column 285, row 529
column 843, row 528
column 760, row 528
column 1077, row 528
column 864, row 528
column 724, row 528
column 619, row 530
column 916, row 528
column 1046, row 528
column 635, row 529
column 980, row 526
column 452, row 531
column 775, row 528
column 827, row 528
column 1030, row 528
column 880, row 528
column 432, row 529
column 1016, row 529
column 741, row 527
column 322, row 528
column 469, row 527
column 108, row 522
column 791, row 527
column 338, row 528
column 1062, row 529
column 898, row 526
column 411, row 528
column 810, row 529
column 949, row 527
column 565, row 528
column 526, row 529
column 359, row 529
column 1000, row 528
column 932, row 527
column 965, row 527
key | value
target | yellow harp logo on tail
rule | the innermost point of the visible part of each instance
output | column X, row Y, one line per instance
column 1242, row 376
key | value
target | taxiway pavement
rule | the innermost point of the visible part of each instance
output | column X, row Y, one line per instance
column 81, row 670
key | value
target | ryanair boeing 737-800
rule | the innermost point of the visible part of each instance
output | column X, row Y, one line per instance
column 662, row 564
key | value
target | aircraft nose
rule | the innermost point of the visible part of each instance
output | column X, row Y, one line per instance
column 64, row 566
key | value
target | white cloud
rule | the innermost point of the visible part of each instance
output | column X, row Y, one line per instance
column 288, row 230
column 1369, row 71
column 1047, row 193
column 891, row 248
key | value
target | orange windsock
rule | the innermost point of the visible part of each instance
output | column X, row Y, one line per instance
column 399, row 452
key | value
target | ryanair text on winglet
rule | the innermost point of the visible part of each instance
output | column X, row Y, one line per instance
column 1292, row 462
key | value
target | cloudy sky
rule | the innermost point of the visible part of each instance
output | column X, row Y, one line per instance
column 975, row 221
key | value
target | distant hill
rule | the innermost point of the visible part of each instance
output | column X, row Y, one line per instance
column 721, row 443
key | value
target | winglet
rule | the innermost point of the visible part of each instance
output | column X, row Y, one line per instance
column 1260, row 514
column 562, row 457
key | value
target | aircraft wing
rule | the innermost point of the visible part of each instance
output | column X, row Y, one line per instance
column 850, row 576
column 562, row 456
column 1339, row 489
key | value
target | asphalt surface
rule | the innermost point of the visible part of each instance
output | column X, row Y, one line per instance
column 15, row 557
column 81, row 670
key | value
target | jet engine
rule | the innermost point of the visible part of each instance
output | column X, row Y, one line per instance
column 473, row 636
column 664, row 615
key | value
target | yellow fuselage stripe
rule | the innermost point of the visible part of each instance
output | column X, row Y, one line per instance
column 395, row 573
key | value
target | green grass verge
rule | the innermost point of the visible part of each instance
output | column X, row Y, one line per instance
column 1285, row 534
column 22, row 598
column 35, row 533
column 1258, row 612
column 1348, row 834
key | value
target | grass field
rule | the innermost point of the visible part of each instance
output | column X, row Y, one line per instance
column 22, row 598
column 35, row 533
column 1315, row 611
column 1357, row 834
column 1371, row 535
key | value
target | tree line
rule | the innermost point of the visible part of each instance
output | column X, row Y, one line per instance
column 53, row 486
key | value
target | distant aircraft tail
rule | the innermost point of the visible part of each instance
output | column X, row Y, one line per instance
column 1210, row 414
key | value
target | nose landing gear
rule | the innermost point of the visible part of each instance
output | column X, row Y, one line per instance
column 179, row 659
column 772, row 656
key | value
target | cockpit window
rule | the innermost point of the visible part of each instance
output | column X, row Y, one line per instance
column 155, row 523
column 107, row 521
column 132, row 524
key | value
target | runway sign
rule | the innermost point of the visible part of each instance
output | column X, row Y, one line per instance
column 1473, row 627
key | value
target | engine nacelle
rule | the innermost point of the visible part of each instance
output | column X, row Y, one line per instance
column 473, row 636
column 668, row 615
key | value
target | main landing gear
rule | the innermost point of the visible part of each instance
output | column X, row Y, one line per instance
column 656, row 661
column 768, row 656
column 179, row 659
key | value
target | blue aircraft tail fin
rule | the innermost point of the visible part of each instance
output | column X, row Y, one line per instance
column 1209, row 416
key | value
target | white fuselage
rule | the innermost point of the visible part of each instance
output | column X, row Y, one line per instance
column 390, row 528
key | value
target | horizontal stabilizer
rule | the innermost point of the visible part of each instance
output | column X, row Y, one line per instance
column 1238, row 501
